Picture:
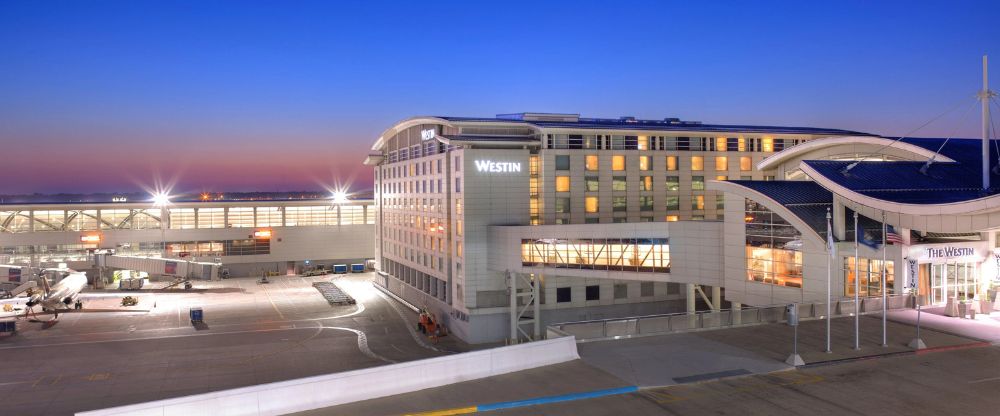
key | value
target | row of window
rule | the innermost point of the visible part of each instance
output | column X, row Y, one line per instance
column 622, row 254
column 421, row 281
column 620, row 291
column 592, row 205
column 645, row 183
column 622, row 142
column 618, row 163
column 219, row 248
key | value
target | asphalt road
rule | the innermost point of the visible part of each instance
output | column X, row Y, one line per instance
column 253, row 334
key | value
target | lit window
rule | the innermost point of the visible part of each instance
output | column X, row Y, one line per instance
column 721, row 163
column 562, row 183
column 617, row 162
column 767, row 144
column 592, row 163
column 721, row 177
column 671, row 162
column 591, row 204
column 698, row 202
column 592, row 183
column 645, row 163
column 697, row 163
column 673, row 203
column 745, row 164
column 671, row 218
column 720, row 144
column 645, row 183
column 643, row 143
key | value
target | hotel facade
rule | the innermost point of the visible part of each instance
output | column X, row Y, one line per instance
column 572, row 218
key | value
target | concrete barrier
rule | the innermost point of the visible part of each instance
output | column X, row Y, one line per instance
column 351, row 386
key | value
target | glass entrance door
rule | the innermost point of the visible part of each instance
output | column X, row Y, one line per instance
column 958, row 280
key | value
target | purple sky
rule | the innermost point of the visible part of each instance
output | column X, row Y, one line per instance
column 227, row 96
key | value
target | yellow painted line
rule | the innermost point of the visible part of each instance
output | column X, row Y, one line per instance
column 448, row 412
column 273, row 304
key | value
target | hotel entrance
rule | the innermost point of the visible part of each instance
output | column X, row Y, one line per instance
column 959, row 280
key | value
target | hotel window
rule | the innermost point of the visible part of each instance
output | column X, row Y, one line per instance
column 745, row 163
column 698, row 202
column 871, row 277
column 592, row 163
column 671, row 162
column 645, row 163
column 697, row 217
column 591, row 204
column 592, row 220
column 562, row 183
column 698, row 183
column 697, row 163
column 772, row 247
column 721, row 163
column 458, row 163
column 645, row 203
column 533, row 164
column 721, row 177
column 618, row 220
column 643, row 143
column 619, row 203
column 721, row 144
column 562, row 162
column 671, row 218
column 673, row 183
column 720, row 202
column 593, row 292
column 592, row 183
column 645, row 183
column 562, row 205
column 590, row 142
column 767, row 144
column 617, row 162
column 673, row 203
column 458, row 185
column 618, row 183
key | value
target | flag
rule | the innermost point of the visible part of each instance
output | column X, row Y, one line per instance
column 892, row 237
column 830, row 245
column 863, row 238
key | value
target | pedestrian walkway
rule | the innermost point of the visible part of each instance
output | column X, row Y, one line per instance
column 984, row 327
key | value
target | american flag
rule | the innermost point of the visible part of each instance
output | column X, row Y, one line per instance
column 891, row 236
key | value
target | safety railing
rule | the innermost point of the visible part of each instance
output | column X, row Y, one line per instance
column 639, row 326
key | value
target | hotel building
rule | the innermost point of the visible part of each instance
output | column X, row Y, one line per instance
column 594, row 218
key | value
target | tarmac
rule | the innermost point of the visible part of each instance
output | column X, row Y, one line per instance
column 252, row 334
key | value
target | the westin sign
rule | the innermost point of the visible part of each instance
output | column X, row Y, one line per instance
column 948, row 252
column 502, row 167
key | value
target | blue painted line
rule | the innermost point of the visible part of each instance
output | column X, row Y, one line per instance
column 557, row 399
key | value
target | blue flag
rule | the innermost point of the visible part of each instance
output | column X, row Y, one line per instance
column 864, row 238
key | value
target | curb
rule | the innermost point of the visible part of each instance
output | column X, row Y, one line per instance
column 898, row 354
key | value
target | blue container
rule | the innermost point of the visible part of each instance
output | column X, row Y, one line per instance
column 196, row 315
column 358, row 268
column 8, row 326
column 340, row 268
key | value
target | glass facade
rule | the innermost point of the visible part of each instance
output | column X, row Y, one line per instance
column 626, row 254
column 773, row 247
column 871, row 276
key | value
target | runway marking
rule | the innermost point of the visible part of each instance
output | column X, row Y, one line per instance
column 98, row 377
column 282, row 316
column 681, row 392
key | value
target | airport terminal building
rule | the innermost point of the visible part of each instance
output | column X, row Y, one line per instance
column 596, row 218
column 243, row 238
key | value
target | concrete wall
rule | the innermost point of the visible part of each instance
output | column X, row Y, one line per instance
column 352, row 386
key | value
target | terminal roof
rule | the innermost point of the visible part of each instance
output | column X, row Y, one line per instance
column 903, row 182
column 630, row 123
column 806, row 199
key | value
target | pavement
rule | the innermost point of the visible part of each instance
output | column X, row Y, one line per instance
column 984, row 327
column 655, row 365
column 253, row 334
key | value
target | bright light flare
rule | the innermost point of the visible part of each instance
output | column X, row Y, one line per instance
column 161, row 199
column 339, row 197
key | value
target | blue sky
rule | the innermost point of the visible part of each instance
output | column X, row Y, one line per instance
column 226, row 95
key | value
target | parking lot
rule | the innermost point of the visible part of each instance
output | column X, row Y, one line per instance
column 253, row 333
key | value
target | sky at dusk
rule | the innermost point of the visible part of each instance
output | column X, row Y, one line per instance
column 106, row 96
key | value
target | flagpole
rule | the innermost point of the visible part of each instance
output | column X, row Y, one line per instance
column 857, row 285
column 829, row 274
column 885, row 297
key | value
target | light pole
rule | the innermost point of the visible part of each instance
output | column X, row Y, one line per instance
column 160, row 200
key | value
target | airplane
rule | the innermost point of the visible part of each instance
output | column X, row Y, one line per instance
column 52, row 298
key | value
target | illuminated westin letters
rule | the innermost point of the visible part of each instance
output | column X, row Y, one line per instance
column 491, row 166
column 950, row 252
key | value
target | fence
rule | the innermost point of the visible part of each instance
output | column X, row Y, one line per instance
column 639, row 326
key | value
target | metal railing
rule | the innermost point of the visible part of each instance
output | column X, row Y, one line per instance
column 640, row 326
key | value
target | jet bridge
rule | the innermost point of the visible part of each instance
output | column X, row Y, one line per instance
column 161, row 266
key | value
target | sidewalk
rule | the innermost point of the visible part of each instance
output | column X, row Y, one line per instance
column 984, row 327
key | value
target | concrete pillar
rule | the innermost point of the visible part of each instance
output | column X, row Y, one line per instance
column 717, row 298
column 737, row 314
column 690, row 298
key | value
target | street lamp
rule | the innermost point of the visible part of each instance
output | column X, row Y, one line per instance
column 160, row 200
column 339, row 197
